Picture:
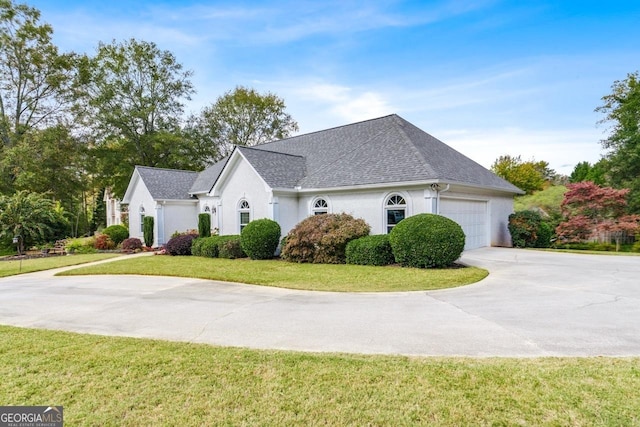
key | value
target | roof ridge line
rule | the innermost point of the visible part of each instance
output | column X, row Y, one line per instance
column 269, row 151
column 328, row 129
column 164, row 169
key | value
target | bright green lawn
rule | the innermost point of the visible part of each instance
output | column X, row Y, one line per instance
column 106, row 381
column 9, row 268
column 318, row 277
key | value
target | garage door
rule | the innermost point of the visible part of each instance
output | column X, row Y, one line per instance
column 472, row 217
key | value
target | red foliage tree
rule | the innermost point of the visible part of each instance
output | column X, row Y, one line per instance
column 590, row 209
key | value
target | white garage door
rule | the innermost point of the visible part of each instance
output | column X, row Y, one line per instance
column 472, row 217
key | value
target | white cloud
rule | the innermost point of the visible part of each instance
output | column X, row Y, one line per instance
column 563, row 149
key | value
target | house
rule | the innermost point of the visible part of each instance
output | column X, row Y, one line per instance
column 381, row 170
column 113, row 212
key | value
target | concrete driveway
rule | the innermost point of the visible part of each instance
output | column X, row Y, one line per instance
column 532, row 304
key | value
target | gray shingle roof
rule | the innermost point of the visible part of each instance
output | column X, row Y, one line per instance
column 205, row 180
column 378, row 151
column 167, row 184
column 279, row 170
column 384, row 150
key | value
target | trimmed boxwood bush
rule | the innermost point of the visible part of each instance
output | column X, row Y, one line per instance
column 204, row 225
column 370, row 250
column 117, row 233
column 196, row 246
column 180, row 245
column 131, row 244
column 323, row 238
column 427, row 240
column 260, row 238
column 528, row 230
column 216, row 247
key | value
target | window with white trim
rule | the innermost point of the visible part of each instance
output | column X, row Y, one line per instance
column 244, row 213
column 141, row 219
column 395, row 210
column 320, row 206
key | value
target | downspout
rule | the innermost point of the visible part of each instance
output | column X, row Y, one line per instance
column 438, row 192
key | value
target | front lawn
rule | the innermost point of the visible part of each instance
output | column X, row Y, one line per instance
column 317, row 277
column 138, row 382
column 9, row 268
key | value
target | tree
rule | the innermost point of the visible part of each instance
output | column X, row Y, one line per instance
column 242, row 117
column 585, row 171
column 27, row 215
column 590, row 209
column 529, row 176
column 34, row 78
column 131, row 95
column 622, row 109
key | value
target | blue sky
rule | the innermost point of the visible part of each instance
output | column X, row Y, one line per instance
column 486, row 77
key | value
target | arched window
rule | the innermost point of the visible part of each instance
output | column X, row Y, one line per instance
column 320, row 206
column 244, row 212
column 395, row 209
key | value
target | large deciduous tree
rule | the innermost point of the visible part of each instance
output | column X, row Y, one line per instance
column 529, row 176
column 34, row 78
column 622, row 110
column 242, row 117
column 590, row 209
column 132, row 96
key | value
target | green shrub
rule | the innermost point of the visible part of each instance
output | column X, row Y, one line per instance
column 216, row 246
column 196, row 246
column 527, row 230
column 230, row 247
column 81, row 246
column 147, row 230
column 204, row 225
column 427, row 240
column 117, row 233
column 260, row 238
column 323, row 238
column 545, row 234
column 370, row 250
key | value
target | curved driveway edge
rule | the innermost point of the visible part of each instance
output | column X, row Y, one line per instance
column 532, row 304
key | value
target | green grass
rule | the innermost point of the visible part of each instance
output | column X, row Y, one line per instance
column 318, row 277
column 107, row 381
column 9, row 268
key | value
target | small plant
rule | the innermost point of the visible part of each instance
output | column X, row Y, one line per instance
column 370, row 250
column 104, row 243
column 323, row 238
column 181, row 244
column 132, row 244
column 81, row 246
column 260, row 238
column 204, row 225
column 427, row 240
column 231, row 248
column 117, row 233
column 147, row 230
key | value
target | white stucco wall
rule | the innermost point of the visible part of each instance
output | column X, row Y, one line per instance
column 499, row 210
column 288, row 215
column 140, row 197
column 178, row 216
column 242, row 183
